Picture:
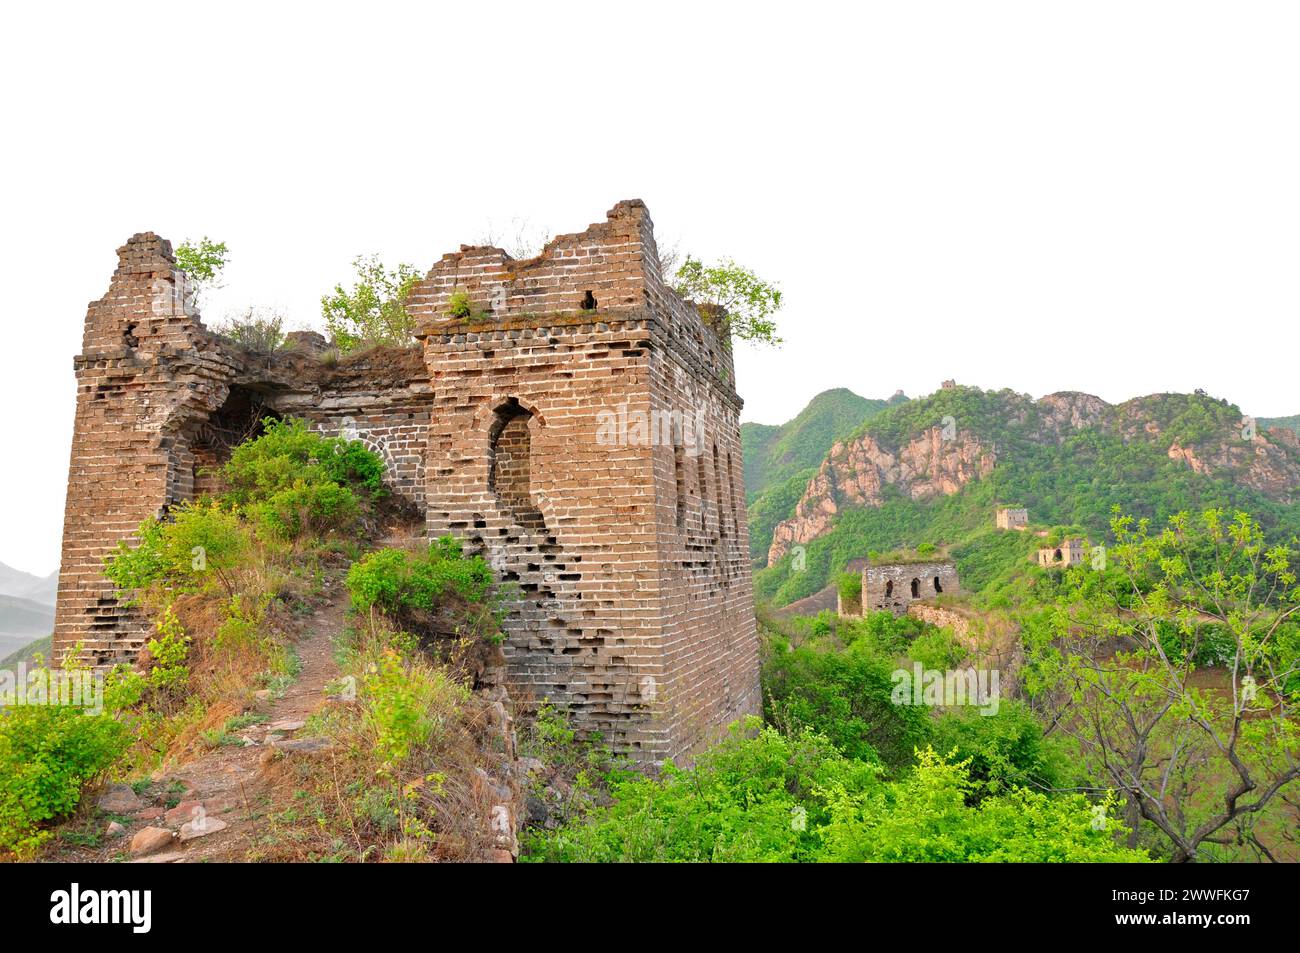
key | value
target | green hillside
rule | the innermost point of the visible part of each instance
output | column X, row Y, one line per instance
column 1074, row 482
column 21, row 621
column 27, row 653
column 1289, row 423
column 775, row 453
column 780, row 460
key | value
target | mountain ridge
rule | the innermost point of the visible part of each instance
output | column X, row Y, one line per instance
column 934, row 469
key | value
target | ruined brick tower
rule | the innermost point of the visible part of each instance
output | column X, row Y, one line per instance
column 567, row 415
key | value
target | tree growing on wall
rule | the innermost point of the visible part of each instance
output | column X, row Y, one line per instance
column 745, row 301
column 373, row 311
column 202, row 261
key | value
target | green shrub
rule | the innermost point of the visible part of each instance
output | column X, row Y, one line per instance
column 930, row 816
column 288, row 454
column 200, row 541
column 48, row 754
column 459, row 305
column 747, row 799
column 773, row 797
column 849, row 585
column 400, row 583
column 937, row 649
column 168, row 652
column 1003, row 750
column 845, row 696
column 307, row 509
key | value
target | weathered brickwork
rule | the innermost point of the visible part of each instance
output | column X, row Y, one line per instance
column 579, row 427
column 893, row 587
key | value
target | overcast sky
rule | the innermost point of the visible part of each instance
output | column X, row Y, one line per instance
column 1042, row 196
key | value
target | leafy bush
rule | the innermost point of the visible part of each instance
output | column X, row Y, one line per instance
column 373, row 311
column 200, row 541
column 288, row 454
column 400, row 704
column 930, row 816
column 48, row 754
column 1003, row 750
column 849, row 585
column 937, row 649
column 400, row 583
column 844, row 696
column 304, row 508
column 773, row 797
column 748, row 799
column 256, row 330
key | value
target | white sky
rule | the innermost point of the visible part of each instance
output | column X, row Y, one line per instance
column 1042, row 196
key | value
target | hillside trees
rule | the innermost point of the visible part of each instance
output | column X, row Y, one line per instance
column 1200, row 761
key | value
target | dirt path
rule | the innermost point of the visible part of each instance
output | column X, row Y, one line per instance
column 210, row 807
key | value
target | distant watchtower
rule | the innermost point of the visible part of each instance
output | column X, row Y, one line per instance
column 1012, row 518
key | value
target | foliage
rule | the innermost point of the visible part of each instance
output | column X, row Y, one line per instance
column 849, row 586
column 168, row 651
column 747, row 302
column 254, row 329
column 844, row 695
column 459, row 305
column 930, row 815
column 401, row 583
column 1199, row 763
column 398, row 705
column 199, row 542
column 202, row 261
column 307, row 508
column 1002, row 750
column 48, row 754
column 373, row 311
column 288, row 453
column 764, row 796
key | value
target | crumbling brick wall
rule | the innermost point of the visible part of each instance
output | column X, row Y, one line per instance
column 580, row 428
column 638, row 608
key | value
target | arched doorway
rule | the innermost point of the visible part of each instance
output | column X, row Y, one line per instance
column 510, row 461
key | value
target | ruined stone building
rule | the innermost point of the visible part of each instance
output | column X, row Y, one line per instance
column 579, row 428
column 1012, row 518
column 893, row 587
column 1069, row 553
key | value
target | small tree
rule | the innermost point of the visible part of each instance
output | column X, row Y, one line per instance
column 374, row 310
column 746, row 301
column 202, row 262
column 1200, row 762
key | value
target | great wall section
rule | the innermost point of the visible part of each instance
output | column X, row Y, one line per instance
column 635, row 606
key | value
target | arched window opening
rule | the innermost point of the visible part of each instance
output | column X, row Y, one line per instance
column 916, row 588
column 889, row 589
column 510, row 456
column 938, row 586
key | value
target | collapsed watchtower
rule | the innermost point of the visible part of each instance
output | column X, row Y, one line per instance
column 567, row 415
